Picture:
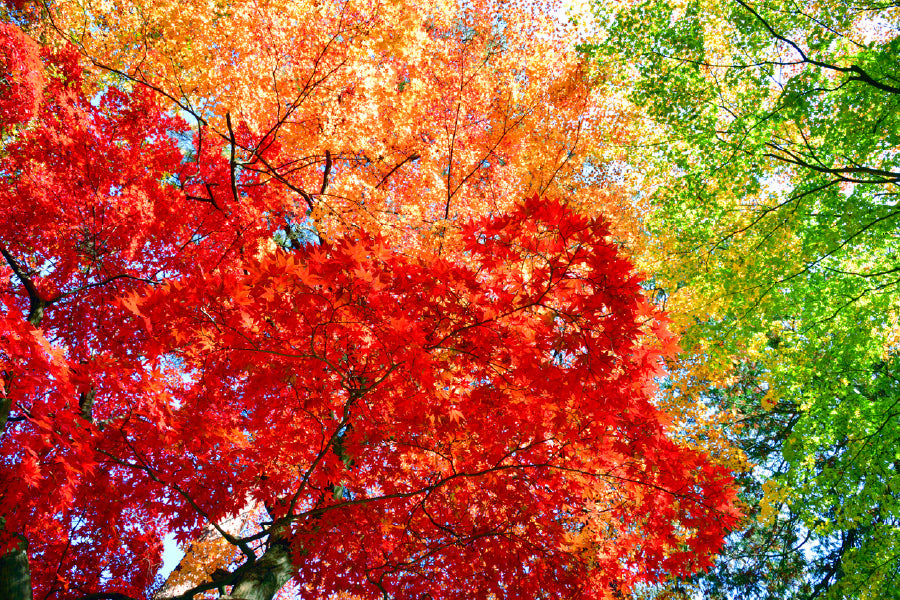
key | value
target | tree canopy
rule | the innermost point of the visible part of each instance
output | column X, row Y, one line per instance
column 770, row 154
column 341, row 267
column 391, row 299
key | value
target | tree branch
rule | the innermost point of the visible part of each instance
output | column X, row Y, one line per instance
column 36, row 303
column 327, row 172
column 412, row 157
column 232, row 165
column 859, row 73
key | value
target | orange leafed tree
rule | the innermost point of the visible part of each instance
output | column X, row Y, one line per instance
column 439, row 389
column 403, row 116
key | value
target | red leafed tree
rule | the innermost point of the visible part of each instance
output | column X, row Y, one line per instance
column 476, row 423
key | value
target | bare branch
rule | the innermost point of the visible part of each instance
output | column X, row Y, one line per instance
column 412, row 157
column 327, row 172
column 231, row 163
column 36, row 303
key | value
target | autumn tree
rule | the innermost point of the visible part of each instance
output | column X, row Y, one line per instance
column 771, row 163
column 428, row 385
column 451, row 111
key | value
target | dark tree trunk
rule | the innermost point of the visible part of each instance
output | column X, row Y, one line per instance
column 263, row 580
column 5, row 408
column 15, row 576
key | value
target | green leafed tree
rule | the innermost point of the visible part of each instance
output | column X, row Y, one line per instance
column 769, row 155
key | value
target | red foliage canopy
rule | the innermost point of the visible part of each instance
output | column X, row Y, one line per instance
column 470, row 425
column 21, row 76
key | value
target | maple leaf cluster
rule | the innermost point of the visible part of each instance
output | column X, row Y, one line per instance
column 22, row 77
column 469, row 417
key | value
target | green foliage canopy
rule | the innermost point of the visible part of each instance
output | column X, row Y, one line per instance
column 770, row 150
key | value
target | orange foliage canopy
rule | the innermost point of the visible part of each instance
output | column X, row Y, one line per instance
column 447, row 393
column 399, row 115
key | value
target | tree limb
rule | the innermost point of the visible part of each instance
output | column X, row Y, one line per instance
column 36, row 303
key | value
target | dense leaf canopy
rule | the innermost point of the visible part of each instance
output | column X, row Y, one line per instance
column 770, row 155
column 323, row 269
